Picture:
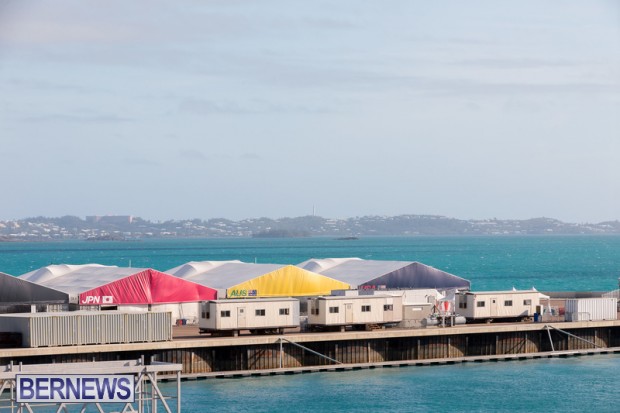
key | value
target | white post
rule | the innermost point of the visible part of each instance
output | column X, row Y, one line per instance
column 178, row 392
column 281, row 352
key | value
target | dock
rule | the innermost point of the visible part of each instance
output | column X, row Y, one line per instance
column 298, row 352
column 392, row 364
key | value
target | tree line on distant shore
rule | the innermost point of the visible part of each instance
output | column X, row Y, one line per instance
column 123, row 227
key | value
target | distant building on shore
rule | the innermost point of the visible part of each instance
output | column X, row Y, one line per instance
column 110, row 219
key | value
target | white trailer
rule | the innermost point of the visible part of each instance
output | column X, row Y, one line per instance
column 491, row 305
column 360, row 311
column 259, row 315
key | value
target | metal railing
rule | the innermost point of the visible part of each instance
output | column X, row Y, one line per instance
column 148, row 394
column 549, row 327
column 282, row 339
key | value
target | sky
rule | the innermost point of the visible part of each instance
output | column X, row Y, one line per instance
column 241, row 109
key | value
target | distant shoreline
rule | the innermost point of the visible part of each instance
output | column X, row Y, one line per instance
column 326, row 237
column 131, row 228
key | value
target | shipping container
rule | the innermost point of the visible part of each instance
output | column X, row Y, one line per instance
column 87, row 327
column 342, row 311
column 591, row 309
column 256, row 315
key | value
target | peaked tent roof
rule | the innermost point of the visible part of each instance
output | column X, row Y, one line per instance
column 150, row 287
column 375, row 274
column 16, row 290
column 75, row 279
column 44, row 274
column 289, row 281
column 267, row 280
column 118, row 284
column 320, row 265
column 194, row 268
column 224, row 274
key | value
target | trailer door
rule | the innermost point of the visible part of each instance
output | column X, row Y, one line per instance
column 241, row 317
column 348, row 313
column 493, row 308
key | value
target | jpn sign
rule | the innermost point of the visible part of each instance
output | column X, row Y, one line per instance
column 97, row 299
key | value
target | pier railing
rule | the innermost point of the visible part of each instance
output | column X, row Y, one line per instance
column 282, row 339
column 147, row 392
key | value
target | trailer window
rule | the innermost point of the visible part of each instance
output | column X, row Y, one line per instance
column 365, row 309
column 527, row 302
column 283, row 311
column 206, row 314
column 508, row 303
column 388, row 307
column 260, row 313
column 225, row 313
column 334, row 310
column 480, row 304
column 462, row 304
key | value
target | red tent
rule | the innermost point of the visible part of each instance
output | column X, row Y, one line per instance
column 147, row 287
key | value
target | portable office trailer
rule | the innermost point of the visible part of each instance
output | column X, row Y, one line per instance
column 416, row 304
column 591, row 309
column 256, row 315
column 87, row 327
column 342, row 311
column 488, row 305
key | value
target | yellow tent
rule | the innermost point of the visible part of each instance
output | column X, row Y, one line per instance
column 288, row 281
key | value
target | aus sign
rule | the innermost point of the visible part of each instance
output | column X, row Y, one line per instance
column 243, row 293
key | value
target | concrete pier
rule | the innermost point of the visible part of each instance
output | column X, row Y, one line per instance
column 205, row 356
column 392, row 364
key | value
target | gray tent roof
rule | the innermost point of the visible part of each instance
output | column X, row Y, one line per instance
column 194, row 268
column 388, row 274
column 222, row 274
column 16, row 290
column 45, row 274
column 76, row 279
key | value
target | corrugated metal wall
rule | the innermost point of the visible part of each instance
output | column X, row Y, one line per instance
column 80, row 328
column 591, row 309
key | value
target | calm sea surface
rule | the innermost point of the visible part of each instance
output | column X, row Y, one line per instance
column 581, row 384
column 588, row 263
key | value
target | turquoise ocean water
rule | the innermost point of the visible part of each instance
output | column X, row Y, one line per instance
column 580, row 384
column 588, row 263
